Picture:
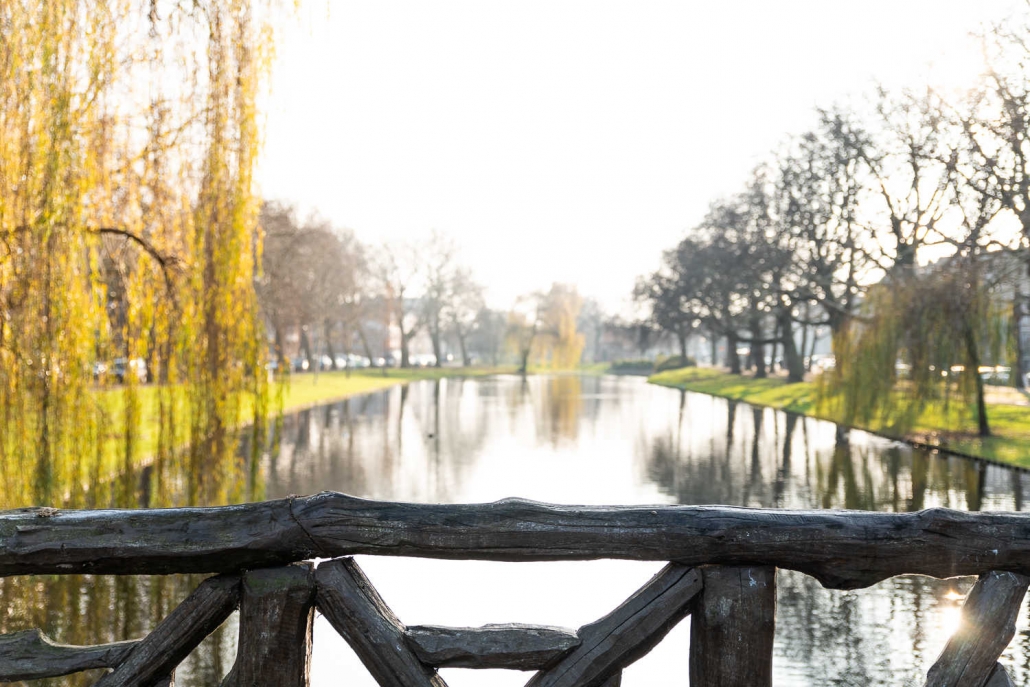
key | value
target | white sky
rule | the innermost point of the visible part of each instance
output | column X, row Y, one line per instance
column 571, row 141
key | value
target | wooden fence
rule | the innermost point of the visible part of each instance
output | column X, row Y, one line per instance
column 721, row 570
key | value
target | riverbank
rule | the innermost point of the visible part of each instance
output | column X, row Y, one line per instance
column 952, row 430
column 299, row 391
column 308, row 389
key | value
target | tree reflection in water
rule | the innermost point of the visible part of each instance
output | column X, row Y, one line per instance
column 570, row 439
column 890, row 633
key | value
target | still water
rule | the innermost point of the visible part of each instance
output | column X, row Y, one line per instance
column 588, row 440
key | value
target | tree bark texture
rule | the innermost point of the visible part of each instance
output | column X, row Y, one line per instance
column 276, row 613
column 732, row 628
column 512, row 646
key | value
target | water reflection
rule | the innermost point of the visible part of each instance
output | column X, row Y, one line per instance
column 574, row 440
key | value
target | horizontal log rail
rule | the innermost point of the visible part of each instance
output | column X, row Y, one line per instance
column 721, row 568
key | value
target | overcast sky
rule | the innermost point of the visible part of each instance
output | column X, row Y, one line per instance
column 572, row 141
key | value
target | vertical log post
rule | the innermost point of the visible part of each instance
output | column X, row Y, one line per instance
column 276, row 612
column 732, row 627
column 988, row 624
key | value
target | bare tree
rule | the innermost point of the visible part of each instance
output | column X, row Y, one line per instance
column 399, row 271
column 440, row 271
column 464, row 309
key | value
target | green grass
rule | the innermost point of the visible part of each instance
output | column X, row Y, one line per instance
column 951, row 428
column 306, row 390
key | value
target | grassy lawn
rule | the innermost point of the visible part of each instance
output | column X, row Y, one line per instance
column 951, row 428
column 304, row 390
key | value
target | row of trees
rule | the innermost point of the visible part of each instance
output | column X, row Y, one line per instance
column 320, row 282
column 901, row 224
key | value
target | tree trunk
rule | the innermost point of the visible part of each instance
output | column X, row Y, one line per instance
column 327, row 328
column 983, row 429
column 811, row 351
column 732, row 359
column 806, row 362
column 305, row 344
column 405, row 358
column 280, row 355
column 1019, row 369
column 758, row 356
column 524, row 364
column 434, row 337
column 465, row 360
column 791, row 359
column 683, row 345
column 364, row 344
column 713, row 342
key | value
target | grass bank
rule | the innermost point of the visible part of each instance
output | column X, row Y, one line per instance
column 950, row 428
column 305, row 390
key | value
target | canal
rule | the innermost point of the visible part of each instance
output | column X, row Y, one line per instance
column 579, row 440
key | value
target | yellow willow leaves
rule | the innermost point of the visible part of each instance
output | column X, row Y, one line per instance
column 560, row 344
column 128, row 137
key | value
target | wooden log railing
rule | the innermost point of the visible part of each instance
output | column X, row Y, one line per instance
column 721, row 570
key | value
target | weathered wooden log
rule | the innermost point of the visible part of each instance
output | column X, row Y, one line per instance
column 151, row 542
column 167, row 681
column 276, row 612
column 614, row 681
column 988, row 625
column 999, row 677
column 352, row 605
column 731, row 630
column 842, row 549
column 511, row 646
column 155, row 657
column 626, row 634
column 31, row 655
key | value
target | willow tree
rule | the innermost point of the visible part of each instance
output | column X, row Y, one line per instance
column 559, row 345
column 128, row 135
column 920, row 343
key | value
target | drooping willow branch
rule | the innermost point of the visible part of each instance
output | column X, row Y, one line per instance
column 165, row 262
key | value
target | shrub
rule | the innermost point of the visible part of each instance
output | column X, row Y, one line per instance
column 674, row 362
column 631, row 367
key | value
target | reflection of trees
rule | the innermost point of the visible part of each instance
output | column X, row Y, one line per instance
column 759, row 463
column 888, row 634
column 426, row 435
column 559, row 413
column 87, row 609
column 709, row 451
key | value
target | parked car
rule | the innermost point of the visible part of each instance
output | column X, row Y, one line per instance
column 357, row 361
column 122, row 368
